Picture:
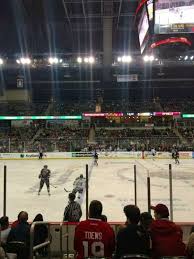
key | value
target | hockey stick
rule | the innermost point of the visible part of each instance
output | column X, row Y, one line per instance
column 53, row 185
column 66, row 190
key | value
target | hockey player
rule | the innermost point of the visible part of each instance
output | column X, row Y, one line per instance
column 173, row 152
column 44, row 179
column 40, row 153
column 176, row 157
column 79, row 185
column 95, row 158
column 153, row 152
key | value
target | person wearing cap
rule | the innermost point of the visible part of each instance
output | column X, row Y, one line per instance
column 132, row 239
column 73, row 210
column 166, row 235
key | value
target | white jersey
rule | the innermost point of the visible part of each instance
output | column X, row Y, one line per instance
column 79, row 183
column 153, row 151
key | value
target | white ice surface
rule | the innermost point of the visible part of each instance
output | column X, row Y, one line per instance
column 111, row 182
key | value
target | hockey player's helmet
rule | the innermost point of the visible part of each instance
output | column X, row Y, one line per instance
column 45, row 166
column 81, row 176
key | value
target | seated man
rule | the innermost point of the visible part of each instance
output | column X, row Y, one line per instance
column 94, row 237
column 132, row 239
column 20, row 233
column 166, row 235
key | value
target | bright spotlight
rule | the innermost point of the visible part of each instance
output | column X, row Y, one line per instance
column 151, row 58
column 50, row 60
column 60, row 61
column 192, row 57
column 186, row 57
column 119, row 59
column 91, row 60
column 24, row 61
column 146, row 58
column 28, row 61
column 86, row 60
column 53, row 60
column 128, row 59
column 1, row 61
column 79, row 60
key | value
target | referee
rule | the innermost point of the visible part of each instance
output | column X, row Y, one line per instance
column 73, row 210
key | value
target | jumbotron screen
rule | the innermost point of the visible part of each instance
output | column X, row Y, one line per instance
column 174, row 16
column 143, row 29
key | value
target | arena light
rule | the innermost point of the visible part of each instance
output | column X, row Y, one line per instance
column 186, row 57
column 24, row 61
column 151, row 58
column 1, row 61
column 192, row 57
column 124, row 59
column 147, row 58
column 86, row 60
column 91, row 60
column 79, row 60
column 53, row 60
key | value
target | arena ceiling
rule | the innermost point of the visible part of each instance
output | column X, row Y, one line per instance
column 66, row 26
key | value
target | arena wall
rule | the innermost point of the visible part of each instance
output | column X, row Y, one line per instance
column 68, row 230
column 112, row 155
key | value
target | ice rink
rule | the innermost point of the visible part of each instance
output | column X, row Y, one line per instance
column 112, row 182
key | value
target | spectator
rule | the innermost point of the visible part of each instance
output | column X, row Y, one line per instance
column 5, row 229
column 166, row 235
column 132, row 239
column 145, row 220
column 21, row 233
column 73, row 210
column 190, row 244
column 15, row 223
column 93, row 237
column 40, row 234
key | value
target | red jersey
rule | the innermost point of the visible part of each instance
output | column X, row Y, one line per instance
column 94, row 238
column 166, row 239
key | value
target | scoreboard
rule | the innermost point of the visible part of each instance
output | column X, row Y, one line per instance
column 174, row 16
column 158, row 20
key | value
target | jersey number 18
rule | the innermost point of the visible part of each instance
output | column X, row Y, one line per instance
column 97, row 249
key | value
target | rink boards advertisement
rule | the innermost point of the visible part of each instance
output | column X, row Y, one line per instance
column 108, row 154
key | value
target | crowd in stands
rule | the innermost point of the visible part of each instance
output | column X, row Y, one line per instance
column 140, row 234
column 23, row 109
column 78, row 107
column 72, row 108
column 62, row 138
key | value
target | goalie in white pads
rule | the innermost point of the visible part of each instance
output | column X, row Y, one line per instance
column 44, row 179
column 79, row 185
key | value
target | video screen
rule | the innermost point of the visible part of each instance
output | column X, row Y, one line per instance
column 173, row 16
column 143, row 28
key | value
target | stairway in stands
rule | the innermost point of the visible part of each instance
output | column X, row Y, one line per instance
column 180, row 136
